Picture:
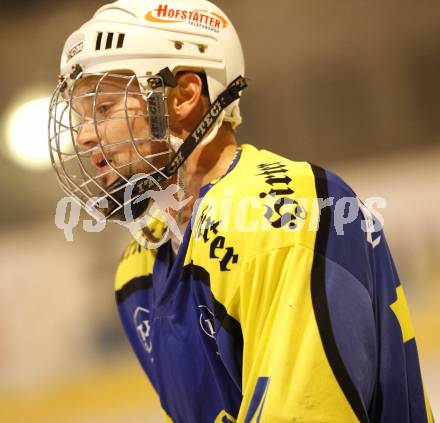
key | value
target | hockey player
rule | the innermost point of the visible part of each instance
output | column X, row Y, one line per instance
column 269, row 309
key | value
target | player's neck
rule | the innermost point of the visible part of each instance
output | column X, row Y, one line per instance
column 206, row 164
column 209, row 162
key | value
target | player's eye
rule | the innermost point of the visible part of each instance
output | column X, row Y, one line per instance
column 104, row 108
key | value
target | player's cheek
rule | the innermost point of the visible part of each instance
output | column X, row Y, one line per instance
column 141, row 131
column 117, row 131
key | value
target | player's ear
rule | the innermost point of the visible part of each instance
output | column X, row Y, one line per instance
column 185, row 101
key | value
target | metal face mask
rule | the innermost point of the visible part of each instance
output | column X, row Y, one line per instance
column 103, row 129
column 110, row 141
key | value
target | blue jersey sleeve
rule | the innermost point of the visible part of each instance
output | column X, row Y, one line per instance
column 364, row 319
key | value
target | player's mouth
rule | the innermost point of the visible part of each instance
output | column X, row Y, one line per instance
column 103, row 166
column 100, row 162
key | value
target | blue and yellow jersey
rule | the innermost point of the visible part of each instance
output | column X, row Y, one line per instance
column 276, row 308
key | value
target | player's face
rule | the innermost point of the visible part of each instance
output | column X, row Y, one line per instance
column 115, row 141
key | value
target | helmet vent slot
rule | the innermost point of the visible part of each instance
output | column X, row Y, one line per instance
column 109, row 40
column 120, row 41
column 108, row 43
column 98, row 41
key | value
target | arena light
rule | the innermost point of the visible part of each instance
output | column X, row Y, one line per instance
column 27, row 134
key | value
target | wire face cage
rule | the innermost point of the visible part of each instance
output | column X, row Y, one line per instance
column 103, row 129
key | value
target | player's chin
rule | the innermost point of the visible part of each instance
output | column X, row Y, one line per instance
column 110, row 179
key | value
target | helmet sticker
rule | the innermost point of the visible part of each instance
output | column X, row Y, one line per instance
column 77, row 48
column 199, row 18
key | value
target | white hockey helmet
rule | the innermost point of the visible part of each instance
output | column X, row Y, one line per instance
column 145, row 36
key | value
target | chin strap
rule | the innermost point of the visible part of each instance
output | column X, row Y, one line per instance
column 176, row 143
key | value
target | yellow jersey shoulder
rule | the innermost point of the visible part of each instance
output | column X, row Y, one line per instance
column 136, row 261
column 264, row 203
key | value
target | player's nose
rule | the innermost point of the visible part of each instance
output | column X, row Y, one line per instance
column 87, row 136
